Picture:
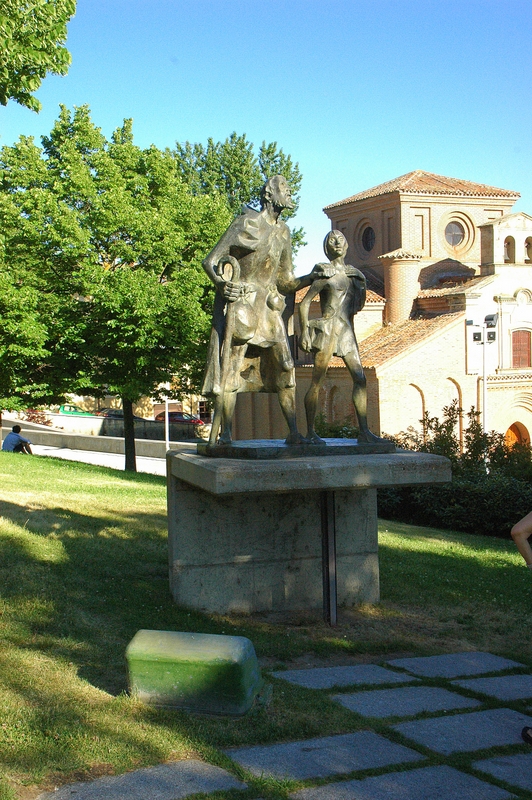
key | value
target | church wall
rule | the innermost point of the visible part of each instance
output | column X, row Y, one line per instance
column 368, row 320
column 426, row 378
column 424, row 219
column 416, row 223
column 382, row 214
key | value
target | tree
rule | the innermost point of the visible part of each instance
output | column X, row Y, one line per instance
column 232, row 168
column 32, row 35
column 111, row 239
column 106, row 242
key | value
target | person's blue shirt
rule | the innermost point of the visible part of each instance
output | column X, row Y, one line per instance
column 12, row 440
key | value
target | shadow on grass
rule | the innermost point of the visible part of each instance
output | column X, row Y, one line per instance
column 445, row 568
column 86, row 583
column 77, row 587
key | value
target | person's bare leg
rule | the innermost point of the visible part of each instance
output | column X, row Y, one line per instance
column 521, row 533
column 321, row 362
column 360, row 397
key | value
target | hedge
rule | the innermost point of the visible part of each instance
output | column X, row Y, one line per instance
column 483, row 504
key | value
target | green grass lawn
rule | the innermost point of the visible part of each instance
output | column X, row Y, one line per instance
column 83, row 566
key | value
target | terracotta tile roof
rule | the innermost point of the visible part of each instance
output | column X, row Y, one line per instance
column 401, row 254
column 420, row 182
column 300, row 294
column 461, row 288
column 335, row 361
column 371, row 297
column 392, row 340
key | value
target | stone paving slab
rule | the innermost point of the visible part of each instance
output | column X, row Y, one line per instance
column 403, row 702
column 166, row 782
column 503, row 687
column 322, row 757
column 467, row 732
column 515, row 770
column 453, row 665
column 327, row 677
column 430, row 783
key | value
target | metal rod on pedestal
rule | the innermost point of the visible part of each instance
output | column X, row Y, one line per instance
column 328, row 539
column 234, row 267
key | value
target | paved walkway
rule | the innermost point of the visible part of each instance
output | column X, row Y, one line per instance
column 467, row 716
column 155, row 466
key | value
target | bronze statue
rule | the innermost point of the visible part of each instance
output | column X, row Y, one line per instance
column 342, row 290
column 251, row 267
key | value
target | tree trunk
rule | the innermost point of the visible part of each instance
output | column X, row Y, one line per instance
column 129, row 435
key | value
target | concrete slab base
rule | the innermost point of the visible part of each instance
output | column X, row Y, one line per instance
column 515, row 770
column 322, row 757
column 503, row 687
column 167, row 782
column 430, row 783
column 404, row 702
column 247, row 536
column 328, row 677
column 452, row 665
column 464, row 733
column 277, row 448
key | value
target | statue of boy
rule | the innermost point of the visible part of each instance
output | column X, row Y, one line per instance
column 251, row 267
column 342, row 291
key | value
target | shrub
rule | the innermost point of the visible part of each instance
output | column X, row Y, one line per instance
column 482, row 504
column 491, row 487
column 335, row 430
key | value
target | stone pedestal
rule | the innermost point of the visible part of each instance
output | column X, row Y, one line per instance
column 248, row 536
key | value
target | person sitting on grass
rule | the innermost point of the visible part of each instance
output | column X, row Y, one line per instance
column 15, row 443
column 521, row 533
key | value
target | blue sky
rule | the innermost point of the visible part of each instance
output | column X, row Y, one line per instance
column 357, row 92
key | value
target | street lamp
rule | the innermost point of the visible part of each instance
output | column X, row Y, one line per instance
column 487, row 336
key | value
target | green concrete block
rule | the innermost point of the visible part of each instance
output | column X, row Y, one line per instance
column 199, row 672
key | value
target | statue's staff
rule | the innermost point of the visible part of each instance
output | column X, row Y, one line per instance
column 234, row 276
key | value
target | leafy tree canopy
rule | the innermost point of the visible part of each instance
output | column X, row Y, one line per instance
column 32, row 37
column 104, row 242
column 232, row 168
column 108, row 240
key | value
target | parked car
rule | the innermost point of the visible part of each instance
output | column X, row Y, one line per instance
column 186, row 425
column 179, row 416
column 70, row 408
column 115, row 413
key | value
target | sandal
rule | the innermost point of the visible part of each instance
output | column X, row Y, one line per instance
column 526, row 735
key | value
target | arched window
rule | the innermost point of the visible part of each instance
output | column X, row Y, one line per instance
column 528, row 250
column 509, row 250
column 521, row 349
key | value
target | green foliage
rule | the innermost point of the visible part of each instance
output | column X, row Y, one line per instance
column 32, row 35
column 104, row 243
column 491, row 486
column 335, row 430
column 488, row 504
column 22, row 342
column 232, row 169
